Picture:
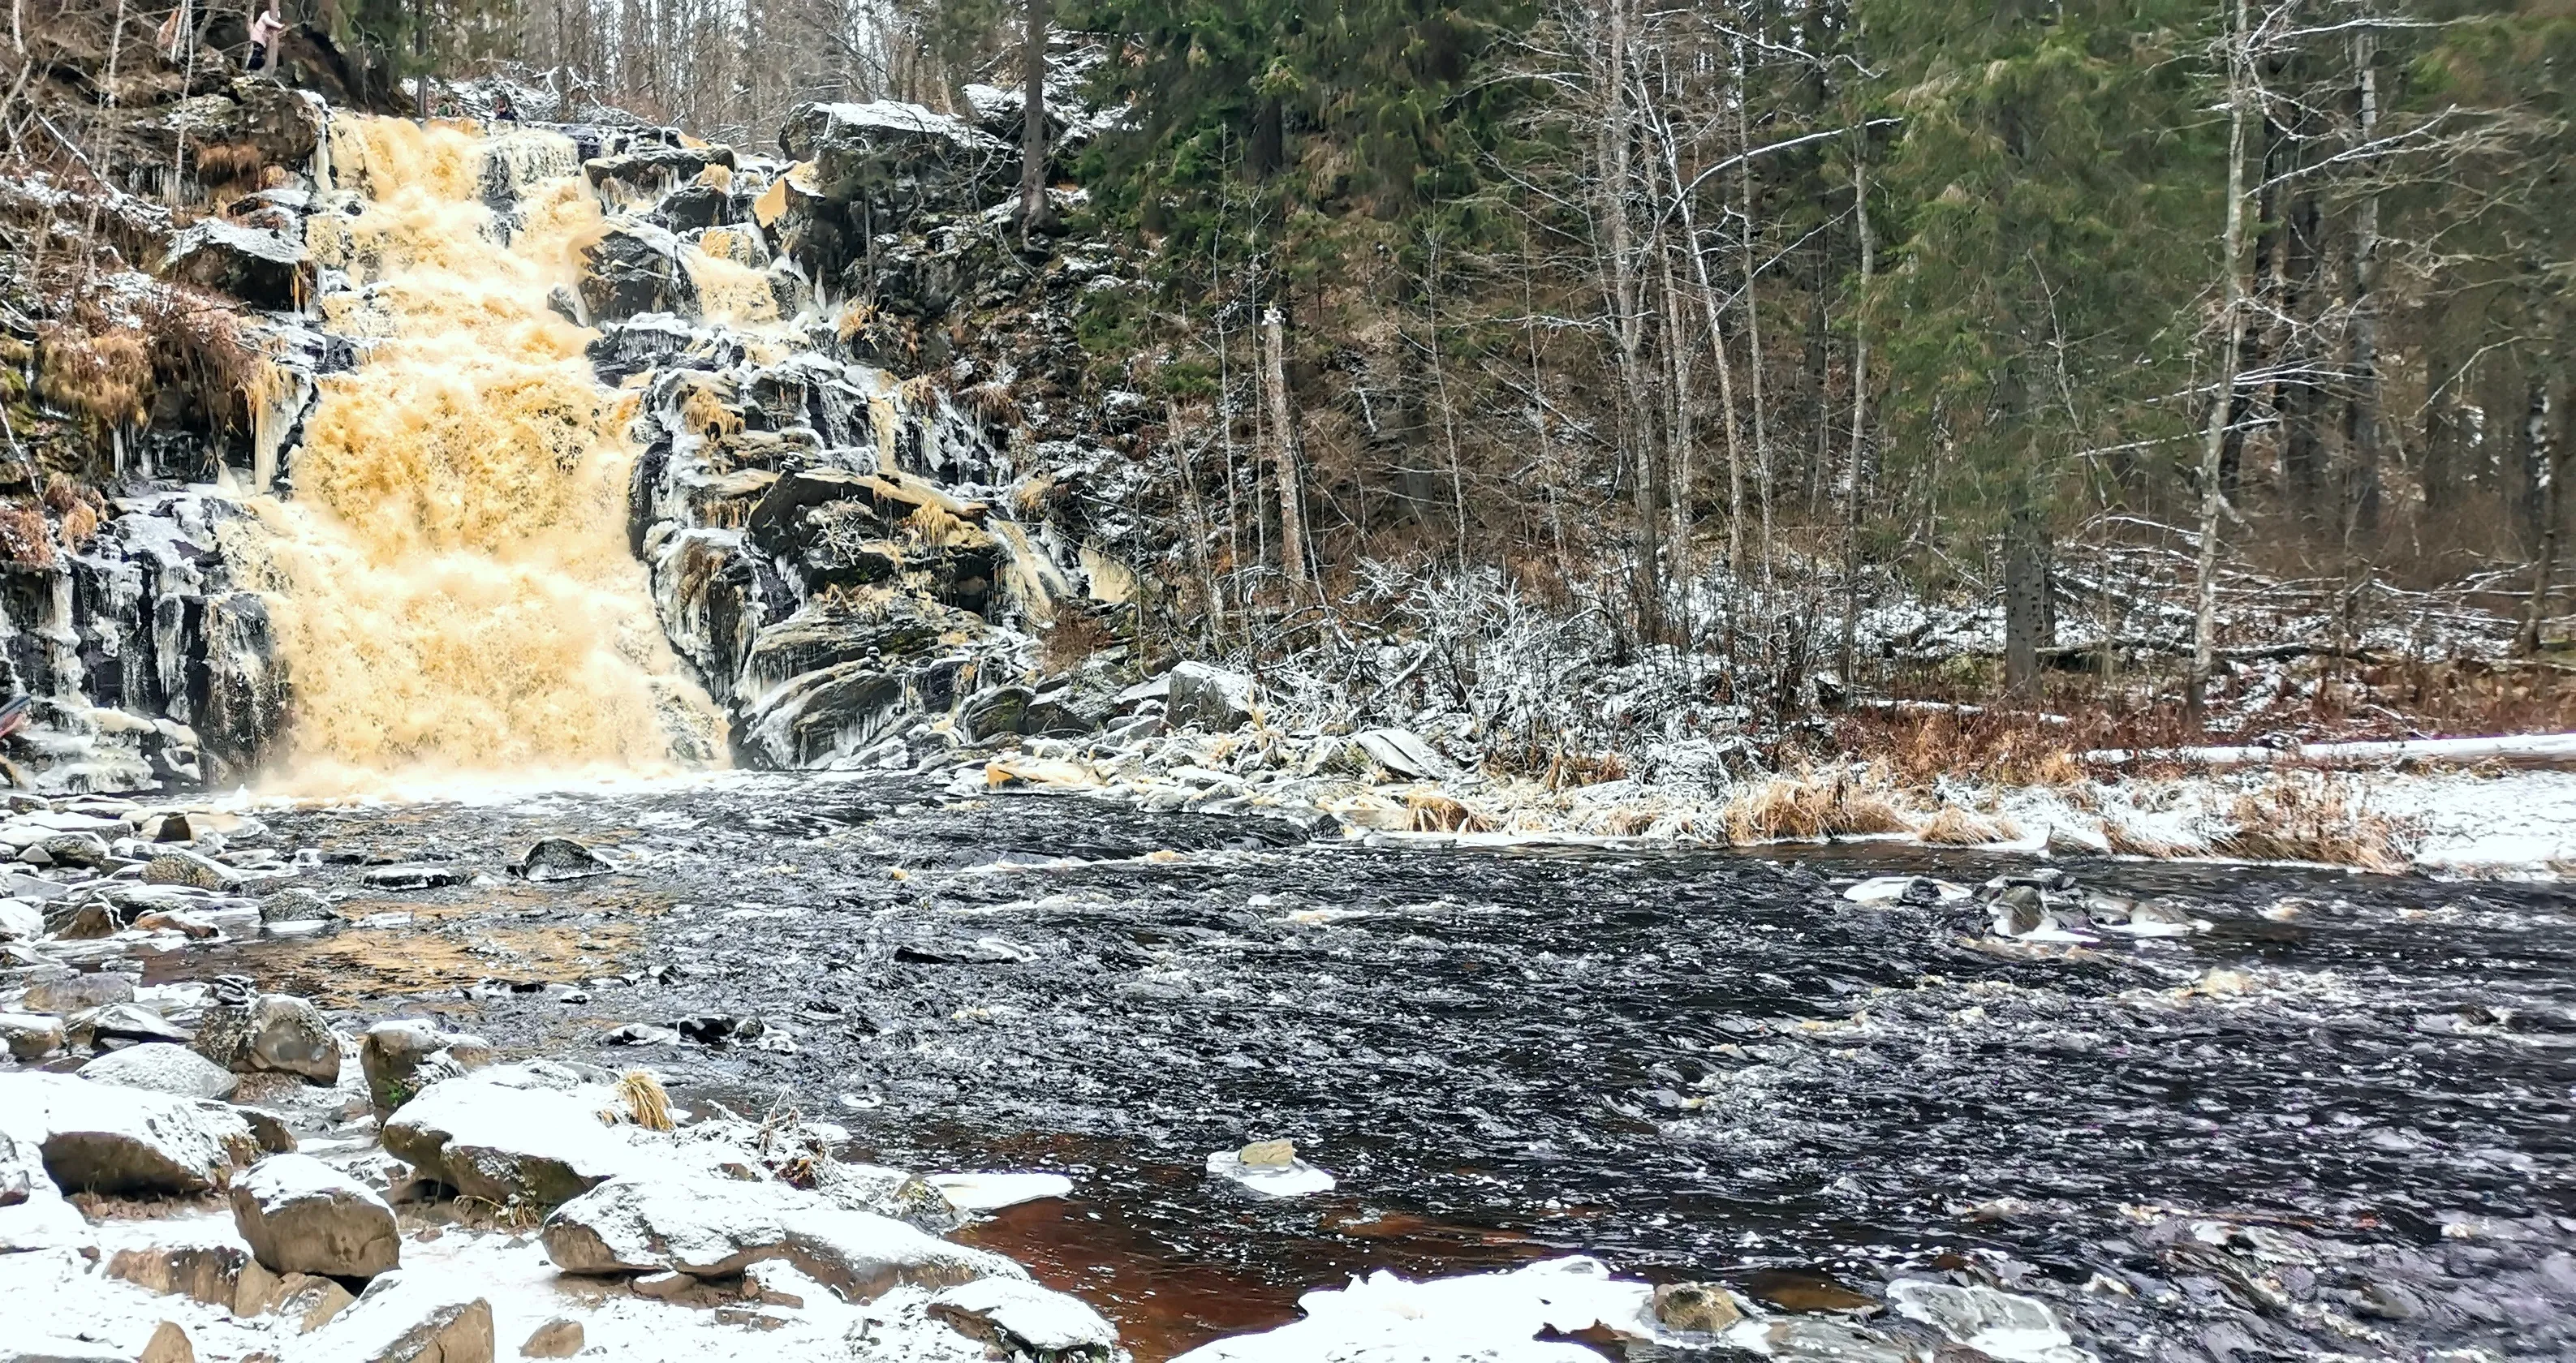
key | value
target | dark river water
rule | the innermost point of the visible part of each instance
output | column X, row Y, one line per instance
column 2351, row 1140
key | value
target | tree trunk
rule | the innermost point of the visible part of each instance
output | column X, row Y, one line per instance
column 2548, row 459
column 2027, row 616
column 1033, row 130
column 419, row 57
column 1627, row 321
column 2204, row 634
column 1283, row 449
column 1197, row 512
column 1860, row 411
column 2361, row 409
column 1752, row 304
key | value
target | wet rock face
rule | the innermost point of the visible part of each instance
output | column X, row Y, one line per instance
column 636, row 269
column 261, row 267
column 890, row 161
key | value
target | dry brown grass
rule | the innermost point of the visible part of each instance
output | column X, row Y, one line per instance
column 78, row 510
column 1806, row 806
column 226, row 165
column 648, row 1104
column 103, row 377
column 1433, row 812
column 1958, row 826
column 1072, row 637
column 2292, row 818
column 2129, row 842
column 25, row 539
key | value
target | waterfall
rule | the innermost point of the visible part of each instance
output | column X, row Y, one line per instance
column 450, row 577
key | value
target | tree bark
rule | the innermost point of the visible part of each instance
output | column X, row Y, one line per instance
column 2361, row 410
column 1626, row 318
column 1860, row 410
column 2548, row 459
column 1197, row 512
column 1283, row 448
column 2204, row 635
column 1033, row 129
column 2027, row 616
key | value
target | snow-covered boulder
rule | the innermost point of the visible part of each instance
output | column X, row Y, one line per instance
column 1210, row 697
column 1021, row 1318
column 710, row 1227
column 249, row 1032
column 20, row 921
column 106, row 1138
column 403, row 1318
column 405, row 1055
column 30, row 1036
column 162, row 1067
column 33, row 1214
column 530, row 1134
column 300, row 1215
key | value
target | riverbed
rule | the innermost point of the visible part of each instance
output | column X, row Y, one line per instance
column 2334, row 1122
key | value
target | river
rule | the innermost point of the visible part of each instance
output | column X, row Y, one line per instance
column 2334, row 1124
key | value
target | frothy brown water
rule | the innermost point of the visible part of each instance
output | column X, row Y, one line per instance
column 451, row 582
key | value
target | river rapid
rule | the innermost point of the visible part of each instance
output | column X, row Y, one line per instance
column 2334, row 1124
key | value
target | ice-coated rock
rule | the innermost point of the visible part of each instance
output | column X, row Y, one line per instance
column 106, row 1138
column 20, row 921
column 632, row 269
column 1019, row 1317
column 1255, row 1168
column 1906, row 890
column 80, row 993
column 300, row 1215
column 973, row 1193
column 1448, row 1320
column 710, row 1227
column 163, row 1067
column 121, row 1024
column 1210, row 697
column 529, row 1134
column 30, row 1036
column 402, row 1056
column 2000, row 1324
column 252, row 1033
column 1403, row 753
column 403, row 1318
column 260, row 267
column 559, row 859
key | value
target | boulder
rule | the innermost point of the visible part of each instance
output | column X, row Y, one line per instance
column 558, row 1338
column 655, row 170
column 402, row 1318
column 898, row 160
column 162, row 1067
column 177, row 866
column 1210, row 697
column 30, row 1036
column 416, row 877
column 708, row 1227
column 248, row 1032
column 300, row 1215
column 200, row 1264
column 105, row 1138
column 80, row 993
column 33, row 1214
column 526, row 1134
column 122, row 1024
column 1403, row 754
column 295, row 904
column 1018, row 1318
column 405, row 1055
column 259, row 267
column 169, row 1344
column 86, row 850
column 20, row 921
column 302, row 1299
column 634, row 269
column 559, row 859
column 1696, row 1308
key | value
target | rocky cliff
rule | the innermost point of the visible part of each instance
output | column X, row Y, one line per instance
column 861, row 485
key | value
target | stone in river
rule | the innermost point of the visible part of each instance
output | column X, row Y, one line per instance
column 1798, row 1290
column 1024, row 1319
column 1699, row 1308
column 80, row 992
column 1268, row 1154
column 162, row 1067
column 560, row 859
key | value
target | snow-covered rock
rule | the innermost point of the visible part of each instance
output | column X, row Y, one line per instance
column 30, row 1036
column 529, row 1134
column 300, row 1215
column 163, row 1067
column 405, row 1055
column 20, row 921
column 1291, row 1177
column 403, row 1318
column 972, row 1193
column 1210, row 697
column 709, row 1227
column 107, row 1138
column 1019, row 1317
column 1475, row 1318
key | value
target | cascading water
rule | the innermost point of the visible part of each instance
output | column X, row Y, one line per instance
column 451, row 583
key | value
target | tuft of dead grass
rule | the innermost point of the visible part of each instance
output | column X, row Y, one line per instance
column 648, row 1104
column 1433, row 812
column 1806, row 806
column 2324, row 819
column 103, row 377
column 25, row 539
column 1957, row 826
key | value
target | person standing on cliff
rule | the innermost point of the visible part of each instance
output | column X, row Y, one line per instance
column 264, row 32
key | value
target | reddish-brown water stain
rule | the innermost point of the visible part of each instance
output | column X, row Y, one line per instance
column 1162, row 1307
